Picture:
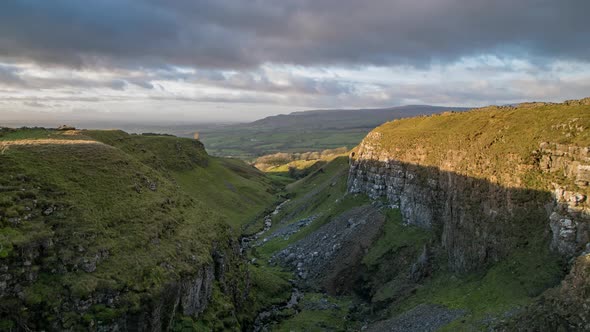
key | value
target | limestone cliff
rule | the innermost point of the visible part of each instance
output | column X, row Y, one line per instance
column 487, row 179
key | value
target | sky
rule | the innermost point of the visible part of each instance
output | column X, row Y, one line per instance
column 180, row 61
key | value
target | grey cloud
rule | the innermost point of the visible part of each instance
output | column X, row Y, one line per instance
column 258, row 81
column 238, row 34
column 13, row 77
column 142, row 83
column 9, row 75
column 34, row 103
column 487, row 93
column 116, row 84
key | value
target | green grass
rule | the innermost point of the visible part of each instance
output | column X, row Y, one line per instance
column 297, row 164
column 163, row 153
column 511, row 283
column 335, row 170
column 321, row 194
column 249, row 143
column 395, row 236
column 32, row 133
column 501, row 134
column 270, row 286
column 231, row 187
column 281, row 179
column 93, row 188
column 312, row 318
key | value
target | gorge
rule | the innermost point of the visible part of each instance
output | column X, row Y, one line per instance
column 476, row 220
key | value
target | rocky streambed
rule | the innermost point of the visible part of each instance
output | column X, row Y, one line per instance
column 273, row 314
column 246, row 241
column 269, row 317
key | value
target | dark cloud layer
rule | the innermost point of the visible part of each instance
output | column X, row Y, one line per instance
column 239, row 34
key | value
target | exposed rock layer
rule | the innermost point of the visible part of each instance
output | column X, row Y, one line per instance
column 482, row 208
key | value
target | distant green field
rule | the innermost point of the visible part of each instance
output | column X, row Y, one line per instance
column 249, row 143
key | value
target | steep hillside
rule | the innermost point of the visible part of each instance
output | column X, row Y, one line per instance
column 106, row 231
column 228, row 186
column 311, row 239
column 305, row 131
column 496, row 188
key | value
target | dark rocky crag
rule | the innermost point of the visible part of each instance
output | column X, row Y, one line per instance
column 156, row 310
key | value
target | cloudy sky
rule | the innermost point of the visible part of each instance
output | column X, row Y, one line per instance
column 209, row 60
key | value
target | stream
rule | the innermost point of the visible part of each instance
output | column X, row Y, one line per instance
column 266, row 317
column 246, row 240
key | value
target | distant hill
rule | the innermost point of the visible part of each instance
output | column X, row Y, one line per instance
column 348, row 118
column 306, row 131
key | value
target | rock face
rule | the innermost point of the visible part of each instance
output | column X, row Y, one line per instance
column 570, row 214
column 472, row 216
column 188, row 296
column 480, row 206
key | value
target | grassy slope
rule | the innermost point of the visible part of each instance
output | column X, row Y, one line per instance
column 311, row 318
column 103, row 204
column 242, row 194
column 228, row 186
column 489, row 138
column 514, row 281
column 323, row 194
column 98, row 210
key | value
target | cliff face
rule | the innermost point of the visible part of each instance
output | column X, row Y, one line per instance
column 485, row 181
column 570, row 213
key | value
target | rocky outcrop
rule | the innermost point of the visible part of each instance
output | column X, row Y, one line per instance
column 471, row 216
column 188, row 296
column 570, row 214
column 481, row 212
